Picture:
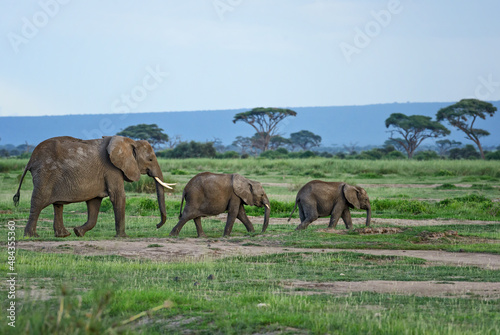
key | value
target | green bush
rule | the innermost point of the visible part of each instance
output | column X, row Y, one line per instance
column 426, row 155
column 402, row 206
column 106, row 205
column 446, row 186
column 444, row 173
column 275, row 154
column 230, row 154
column 493, row 155
column 179, row 172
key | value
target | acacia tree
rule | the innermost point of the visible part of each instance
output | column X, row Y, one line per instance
column 414, row 129
column 444, row 146
column 278, row 141
column 149, row 132
column 305, row 139
column 464, row 114
column 265, row 121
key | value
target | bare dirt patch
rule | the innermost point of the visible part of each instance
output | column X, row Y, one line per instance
column 375, row 221
column 174, row 249
column 193, row 249
column 419, row 288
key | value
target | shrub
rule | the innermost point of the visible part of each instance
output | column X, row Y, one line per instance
column 395, row 155
column 106, row 205
column 444, row 173
column 307, row 154
column 426, row 155
column 275, row 154
column 230, row 154
column 493, row 155
column 446, row 186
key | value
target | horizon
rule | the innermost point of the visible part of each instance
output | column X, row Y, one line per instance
column 337, row 125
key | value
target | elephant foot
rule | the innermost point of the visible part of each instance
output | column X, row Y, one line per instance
column 203, row 235
column 79, row 231
column 62, row 233
column 30, row 234
column 300, row 227
column 122, row 235
column 174, row 233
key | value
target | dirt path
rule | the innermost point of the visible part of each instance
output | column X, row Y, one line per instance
column 193, row 249
column 375, row 221
column 172, row 249
column 418, row 288
column 287, row 185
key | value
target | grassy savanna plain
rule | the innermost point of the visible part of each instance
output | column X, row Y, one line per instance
column 283, row 281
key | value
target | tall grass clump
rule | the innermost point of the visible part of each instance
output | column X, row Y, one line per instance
column 12, row 164
column 332, row 167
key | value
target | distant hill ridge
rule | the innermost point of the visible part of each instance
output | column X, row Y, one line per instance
column 336, row 125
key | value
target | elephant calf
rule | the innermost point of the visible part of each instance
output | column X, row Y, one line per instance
column 208, row 194
column 319, row 199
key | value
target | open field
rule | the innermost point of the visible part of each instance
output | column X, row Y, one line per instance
column 430, row 264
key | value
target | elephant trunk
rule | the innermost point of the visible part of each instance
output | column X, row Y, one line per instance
column 368, row 216
column 267, row 213
column 160, row 193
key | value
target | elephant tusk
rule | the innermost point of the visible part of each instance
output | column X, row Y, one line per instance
column 163, row 184
column 267, row 206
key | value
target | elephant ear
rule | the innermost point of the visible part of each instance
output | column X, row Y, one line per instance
column 351, row 194
column 121, row 154
column 243, row 188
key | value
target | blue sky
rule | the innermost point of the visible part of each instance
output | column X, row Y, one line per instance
column 81, row 57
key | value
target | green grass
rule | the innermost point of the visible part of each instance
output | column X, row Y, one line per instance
column 96, row 294
column 120, row 288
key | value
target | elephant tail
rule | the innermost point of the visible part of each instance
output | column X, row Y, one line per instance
column 294, row 208
column 182, row 203
column 18, row 193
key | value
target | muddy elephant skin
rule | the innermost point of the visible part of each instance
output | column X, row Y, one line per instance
column 319, row 199
column 208, row 194
column 67, row 170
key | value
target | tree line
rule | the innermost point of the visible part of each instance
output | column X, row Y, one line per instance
column 407, row 133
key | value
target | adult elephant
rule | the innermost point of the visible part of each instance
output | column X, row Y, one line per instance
column 318, row 199
column 67, row 170
column 209, row 194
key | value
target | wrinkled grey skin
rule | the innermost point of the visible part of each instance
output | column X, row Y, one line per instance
column 67, row 170
column 208, row 194
column 319, row 199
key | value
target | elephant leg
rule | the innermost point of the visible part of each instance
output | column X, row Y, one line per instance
column 337, row 212
column 242, row 216
column 59, row 229
column 309, row 214
column 93, row 206
column 182, row 221
column 232, row 213
column 199, row 228
column 37, row 204
column 118, row 200
column 346, row 216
